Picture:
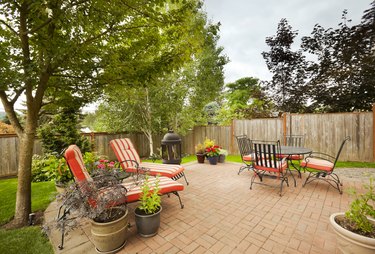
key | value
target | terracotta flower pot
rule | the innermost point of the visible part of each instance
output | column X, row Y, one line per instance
column 200, row 157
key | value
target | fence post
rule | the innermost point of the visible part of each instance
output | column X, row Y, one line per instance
column 285, row 131
column 232, row 138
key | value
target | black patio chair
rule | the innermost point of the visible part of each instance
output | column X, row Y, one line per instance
column 267, row 163
column 320, row 167
column 244, row 145
column 296, row 141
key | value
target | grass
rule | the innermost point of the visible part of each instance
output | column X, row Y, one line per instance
column 27, row 239
column 41, row 195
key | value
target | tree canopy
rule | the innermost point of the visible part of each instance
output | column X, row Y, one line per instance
column 332, row 72
column 51, row 50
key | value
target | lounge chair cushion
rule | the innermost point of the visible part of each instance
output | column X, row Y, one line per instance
column 280, row 166
column 124, row 150
column 166, row 185
column 319, row 164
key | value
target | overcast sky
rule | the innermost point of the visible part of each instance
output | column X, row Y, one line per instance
column 245, row 24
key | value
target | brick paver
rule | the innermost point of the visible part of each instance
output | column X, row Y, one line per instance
column 222, row 215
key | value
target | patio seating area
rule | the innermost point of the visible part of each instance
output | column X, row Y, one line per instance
column 222, row 215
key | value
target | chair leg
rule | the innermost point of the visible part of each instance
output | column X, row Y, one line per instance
column 179, row 198
column 187, row 183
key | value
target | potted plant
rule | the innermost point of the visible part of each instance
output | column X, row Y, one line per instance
column 356, row 227
column 222, row 154
column 147, row 214
column 103, row 201
column 200, row 153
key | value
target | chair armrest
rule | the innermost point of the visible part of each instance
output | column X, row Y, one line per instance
column 321, row 156
column 133, row 161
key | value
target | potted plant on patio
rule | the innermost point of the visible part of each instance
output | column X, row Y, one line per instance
column 356, row 227
column 103, row 201
column 147, row 214
column 200, row 152
column 222, row 154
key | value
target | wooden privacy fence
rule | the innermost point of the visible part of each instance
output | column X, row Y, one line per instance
column 323, row 132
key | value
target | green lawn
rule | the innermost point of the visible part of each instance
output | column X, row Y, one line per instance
column 237, row 158
column 27, row 239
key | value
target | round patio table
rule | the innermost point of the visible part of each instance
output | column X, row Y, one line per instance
column 294, row 150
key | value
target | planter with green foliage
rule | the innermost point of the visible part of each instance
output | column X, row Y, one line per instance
column 103, row 201
column 356, row 227
column 200, row 153
column 147, row 214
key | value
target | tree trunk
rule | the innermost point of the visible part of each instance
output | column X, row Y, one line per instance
column 149, row 135
column 23, row 200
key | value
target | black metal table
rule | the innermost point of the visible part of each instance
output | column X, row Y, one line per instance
column 289, row 151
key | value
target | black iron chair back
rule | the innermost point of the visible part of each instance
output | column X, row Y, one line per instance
column 265, row 153
column 245, row 148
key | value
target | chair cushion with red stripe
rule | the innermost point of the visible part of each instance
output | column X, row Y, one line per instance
column 280, row 166
column 166, row 185
column 124, row 150
column 74, row 158
column 318, row 164
column 290, row 157
column 248, row 157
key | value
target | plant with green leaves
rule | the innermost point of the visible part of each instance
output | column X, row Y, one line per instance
column 51, row 50
column 49, row 167
column 361, row 207
column 150, row 200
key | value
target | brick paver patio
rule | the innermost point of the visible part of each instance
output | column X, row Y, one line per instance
column 222, row 215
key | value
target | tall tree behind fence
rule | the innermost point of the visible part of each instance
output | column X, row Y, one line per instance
column 323, row 132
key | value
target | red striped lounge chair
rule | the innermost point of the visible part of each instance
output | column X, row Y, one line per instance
column 131, row 162
column 74, row 159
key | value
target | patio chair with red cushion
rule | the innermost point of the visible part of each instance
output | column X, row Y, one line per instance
column 131, row 162
column 321, row 165
column 244, row 146
column 266, row 163
column 74, row 159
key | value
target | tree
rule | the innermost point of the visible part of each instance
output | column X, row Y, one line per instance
column 169, row 100
column 52, row 48
column 288, row 67
column 342, row 78
column 245, row 100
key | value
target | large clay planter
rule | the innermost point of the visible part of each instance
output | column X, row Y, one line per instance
column 349, row 242
column 110, row 237
column 213, row 160
column 200, row 157
column 147, row 224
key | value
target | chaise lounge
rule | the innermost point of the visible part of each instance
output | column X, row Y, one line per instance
column 131, row 162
